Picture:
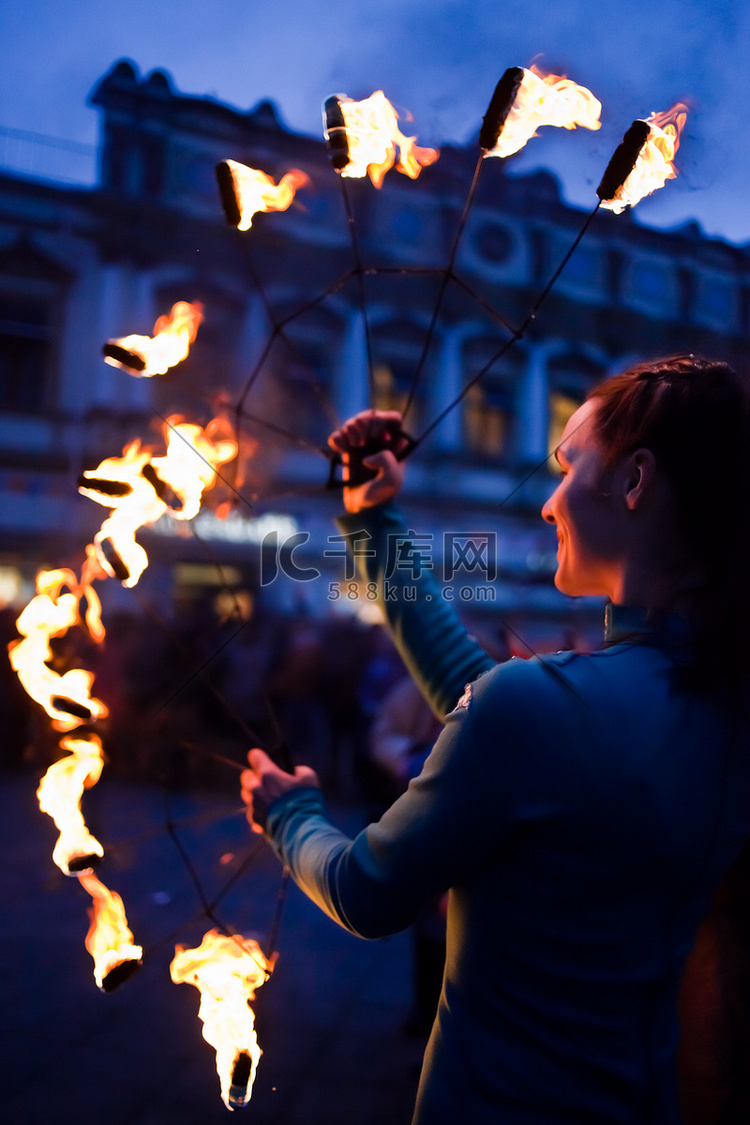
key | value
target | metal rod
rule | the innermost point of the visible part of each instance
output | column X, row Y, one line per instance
column 273, row 428
column 517, row 335
column 317, row 385
column 152, row 833
column 443, row 286
column 359, row 274
column 488, row 308
column 273, row 933
column 249, row 733
column 220, row 476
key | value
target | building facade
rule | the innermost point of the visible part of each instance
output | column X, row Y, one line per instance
column 284, row 335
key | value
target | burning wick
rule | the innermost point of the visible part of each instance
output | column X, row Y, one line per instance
column 246, row 191
column 145, row 356
column 227, row 971
column 59, row 795
column 109, row 940
column 524, row 100
column 642, row 162
column 363, row 137
column 66, row 698
column 140, row 488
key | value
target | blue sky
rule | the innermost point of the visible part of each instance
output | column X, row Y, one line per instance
column 440, row 59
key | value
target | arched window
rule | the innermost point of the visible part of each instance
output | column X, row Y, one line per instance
column 396, row 349
column 489, row 407
column 571, row 376
column 32, row 293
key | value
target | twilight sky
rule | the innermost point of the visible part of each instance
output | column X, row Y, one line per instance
column 439, row 59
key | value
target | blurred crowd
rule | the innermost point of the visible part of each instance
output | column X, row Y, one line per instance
column 188, row 684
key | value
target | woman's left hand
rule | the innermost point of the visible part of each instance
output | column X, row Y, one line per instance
column 265, row 782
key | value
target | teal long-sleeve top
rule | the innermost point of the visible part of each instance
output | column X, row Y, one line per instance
column 580, row 810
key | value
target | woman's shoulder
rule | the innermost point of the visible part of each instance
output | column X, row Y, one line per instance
column 560, row 677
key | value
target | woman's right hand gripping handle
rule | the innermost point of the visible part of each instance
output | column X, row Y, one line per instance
column 379, row 432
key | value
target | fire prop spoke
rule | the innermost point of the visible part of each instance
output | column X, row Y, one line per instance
column 363, row 137
column 524, row 100
column 227, row 971
column 643, row 162
column 246, row 191
column 145, row 356
column 109, row 940
column 141, row 488
column 59, row 795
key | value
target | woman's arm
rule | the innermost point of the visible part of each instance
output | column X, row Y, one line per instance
column 437, row 650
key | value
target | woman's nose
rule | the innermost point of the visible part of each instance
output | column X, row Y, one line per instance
column 547, row 512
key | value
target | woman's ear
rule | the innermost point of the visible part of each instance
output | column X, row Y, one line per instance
column 640, row 474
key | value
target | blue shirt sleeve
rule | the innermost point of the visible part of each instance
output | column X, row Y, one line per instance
column 440, row 655
column 451, row 818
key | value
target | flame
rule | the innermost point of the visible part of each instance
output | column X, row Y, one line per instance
column 255, row 191
column 654, row 164
column 59, row 795
column 545, row 100
column 187, row 469
column 173, row 334
column 227, row 971
column 109, row 940
column 50, row 614
column 191, row 461
column 372, row 133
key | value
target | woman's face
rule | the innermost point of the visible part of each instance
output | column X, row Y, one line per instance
column 585, row 510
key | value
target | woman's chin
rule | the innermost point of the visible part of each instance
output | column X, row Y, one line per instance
column 575, row 586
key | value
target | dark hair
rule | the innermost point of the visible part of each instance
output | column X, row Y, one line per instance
column 694, row 416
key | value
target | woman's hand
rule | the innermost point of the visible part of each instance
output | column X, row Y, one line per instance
column 265, row 782
column 381, row 428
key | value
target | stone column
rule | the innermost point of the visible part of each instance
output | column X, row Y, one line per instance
column 138, row 395
column 443, row 388
column 533, row 407
column 351, row 391
column 112, row 312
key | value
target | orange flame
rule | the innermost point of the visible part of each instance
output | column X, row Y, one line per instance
column 654, row 164
column 173, row 334
column 192, row 459
column 109, row 940
column 50, row 614
column 227, row 971
column 545, row 100
column 187, row 469
column 59, row 795
column 372, row 133
column 255, row 191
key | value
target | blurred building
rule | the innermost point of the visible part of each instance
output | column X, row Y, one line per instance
column 81, row 265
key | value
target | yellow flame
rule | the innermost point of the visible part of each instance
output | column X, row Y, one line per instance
column 545, row 100
column 373, row 134
column 109, row 940
column 50, row 614
column 226, row 971
column 654, row 164
column 59, row 795
column 188, row 468
column 192, row 459
column 255, row 191
column 173, row 334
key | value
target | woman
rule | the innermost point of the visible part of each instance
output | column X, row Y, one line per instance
column 580, row 807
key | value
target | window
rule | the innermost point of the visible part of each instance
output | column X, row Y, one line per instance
column 561, row 409
column 26, row 327
column 489, row 407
